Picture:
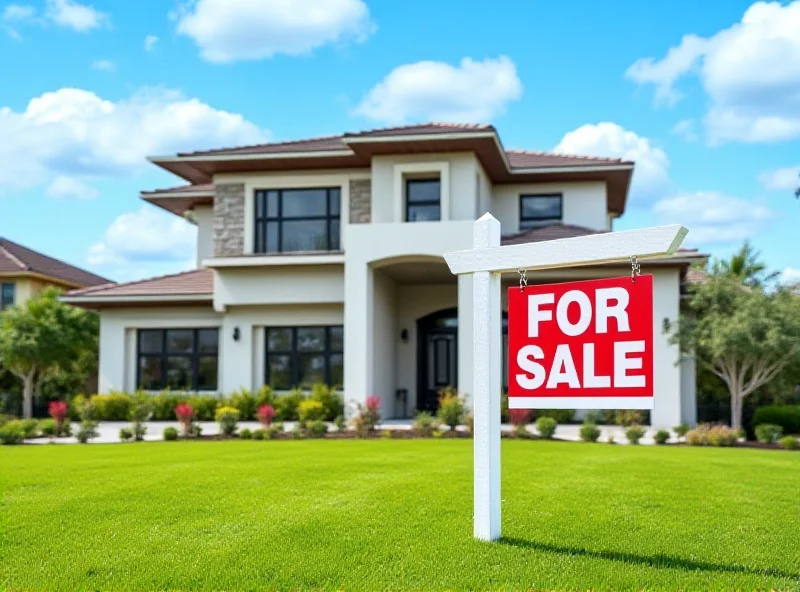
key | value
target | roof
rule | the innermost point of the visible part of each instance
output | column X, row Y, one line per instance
column 14, row 258
column 194, row 283
column 356, row 149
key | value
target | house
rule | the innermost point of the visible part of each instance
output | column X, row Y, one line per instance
column 321, row 260
column 24, row 273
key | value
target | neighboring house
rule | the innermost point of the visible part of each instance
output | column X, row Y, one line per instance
column 312, row 249
column 24, row 273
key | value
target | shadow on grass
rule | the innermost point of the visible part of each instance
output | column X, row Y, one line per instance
column 660, row 560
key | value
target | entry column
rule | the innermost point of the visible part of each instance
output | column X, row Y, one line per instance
column 358, row 331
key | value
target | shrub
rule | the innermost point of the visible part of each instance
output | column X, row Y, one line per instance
column 170, row 434
column 265, row 414
column 286, row 405
column 368, row 416
column 634, row 434
column 311, row 410
column 246, row 434
column 139, row 430
column 30, row 428
column 47, row 427
column 628, row 417
column 87, row 431
column 682, row 430
column 519, row 417
column 245, row 401
column 697, row 436
column 560, row 415
column 125, row 435
column 205, row 406
column 386, row 435
column 767, row 433
column 58, row 411
column 12, row 432
column 259, row 434
column 141, row 408
column 332, row 401
column 611, row 439
column 722, row 436
column 589, row 432
column 340, row 423
column 273, row 431
column 789, row 443
column 661, row 436
column 424, row 424
column 546, row 426
column 227, row 418
column 196, row 431
column 451, row 408
column 318, row 428
column 470, row 422
column 786, row 416
column 299, row 432
column 265, row 396
column 112, row 407
column 164, row 404
column 504, row 408
column 184, row 412
column 5, row 418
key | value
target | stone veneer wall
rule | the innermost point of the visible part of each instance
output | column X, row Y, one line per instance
column 360, row 201
column 229, row 219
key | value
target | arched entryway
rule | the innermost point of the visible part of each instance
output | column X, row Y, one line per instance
column 437, row 361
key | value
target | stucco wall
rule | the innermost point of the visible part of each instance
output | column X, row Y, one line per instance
column 204, row 216
column 386, row 337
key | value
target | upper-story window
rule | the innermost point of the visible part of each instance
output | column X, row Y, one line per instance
column 423, row 200
column 6, row 296
column 539, row 210
column 291, row 220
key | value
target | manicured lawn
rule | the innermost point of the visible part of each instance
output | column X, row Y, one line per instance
column 359, row 515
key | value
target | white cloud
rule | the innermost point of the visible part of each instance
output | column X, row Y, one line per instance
column 750, row 71
column 104, row 65
column 69, row 187
column 473, row 91
column 783, row 179
column 650, row 176
column 790, row 275
column 18, row 12
column 230, row 30
column 145, row 236
column 150, row 42
column 75, row 133
column 714, row 217
column 61, row 13
column 685, row 129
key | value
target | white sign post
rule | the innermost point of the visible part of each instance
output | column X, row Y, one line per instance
column 486, row 261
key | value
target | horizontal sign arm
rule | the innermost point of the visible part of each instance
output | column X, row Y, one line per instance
column 608, row 247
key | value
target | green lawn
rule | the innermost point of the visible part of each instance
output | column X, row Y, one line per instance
column 366, row 515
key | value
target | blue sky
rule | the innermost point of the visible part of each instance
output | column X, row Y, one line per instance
column 705, row 98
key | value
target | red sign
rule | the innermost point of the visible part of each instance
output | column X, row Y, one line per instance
column 581, row 345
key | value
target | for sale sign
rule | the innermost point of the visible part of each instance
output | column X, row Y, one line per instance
column 581, row 345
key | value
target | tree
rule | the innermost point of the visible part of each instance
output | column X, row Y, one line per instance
column 745, row 335
column 746, row 266
column 45, row 337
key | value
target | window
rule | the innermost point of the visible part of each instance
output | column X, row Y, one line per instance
column 292, row 220
column 302, row 356
column 423, row 200
column 539, row 210
column 178, row 358
column 6, row 296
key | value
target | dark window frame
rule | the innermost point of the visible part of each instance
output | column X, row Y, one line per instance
column 540, row 219
column 295, row 355
column 429, row 202
column 194, row 356
column 6, row 302
column 261, row 223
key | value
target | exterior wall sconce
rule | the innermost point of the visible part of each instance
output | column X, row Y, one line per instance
column 404, row 335
column 236, row 334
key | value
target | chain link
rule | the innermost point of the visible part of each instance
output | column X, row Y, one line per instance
column 523, row 279
column 635, row 268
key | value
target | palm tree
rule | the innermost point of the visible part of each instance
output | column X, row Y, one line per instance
column 746, row 265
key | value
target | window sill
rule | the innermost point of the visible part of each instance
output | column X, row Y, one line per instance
column 299, row 258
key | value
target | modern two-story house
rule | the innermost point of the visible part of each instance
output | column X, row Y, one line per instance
column 321, row 260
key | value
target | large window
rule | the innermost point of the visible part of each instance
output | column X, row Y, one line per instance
column 303, row 356
column 292, row 220
column 539, row 210
column 6, row 296
column 182, row 359
column 423, row 200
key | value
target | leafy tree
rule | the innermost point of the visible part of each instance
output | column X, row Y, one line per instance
column 745, row 335
column 746, row 266
column 45, row 338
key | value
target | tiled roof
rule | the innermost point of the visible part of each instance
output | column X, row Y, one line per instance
column 16, row 258
column 209, row 187
column 526, row 159
column 424, row 128
column 197, row 282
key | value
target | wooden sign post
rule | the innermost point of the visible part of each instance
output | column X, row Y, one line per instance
column 486, row 261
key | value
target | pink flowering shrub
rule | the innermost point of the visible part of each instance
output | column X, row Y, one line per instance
column 184, row 413
column 368, row 416
column 519, row 417
column 58, row 411
column 265, row 414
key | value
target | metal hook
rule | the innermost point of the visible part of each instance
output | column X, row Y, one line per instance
column 635, row 269
column 523, row 279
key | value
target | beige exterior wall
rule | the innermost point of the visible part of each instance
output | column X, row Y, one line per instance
column 204, row 216
column 26, row 288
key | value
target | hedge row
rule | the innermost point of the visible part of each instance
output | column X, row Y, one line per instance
column 786, row 416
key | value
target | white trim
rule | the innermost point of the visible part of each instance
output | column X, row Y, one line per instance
column 93, row 298
column 275, row 260
column 168, row 195
column 580, row 402
column 594, row 249
column 400, row 170
column 257, row 156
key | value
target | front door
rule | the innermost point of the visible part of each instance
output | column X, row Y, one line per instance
column 437, row 365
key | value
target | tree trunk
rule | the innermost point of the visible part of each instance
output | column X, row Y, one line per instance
column 736, row 410
column 27, row 397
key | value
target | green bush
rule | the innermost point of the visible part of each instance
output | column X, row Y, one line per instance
column 786, row 416
column 259, row 434
column 139, row 430
column 318, row 428
column 560, row 415
column 634, row 434
column 195, row 431
column 504, row 408
column 768, row 433
column 170, row 434
column 722, row 436
column 245, row 401
column 265, row 396
column 661, row 436
column 424, row 424
column 789, row 443
column 286, row 405
column 697, row 436
column 205, row 406
column 246, row 434
column 589, row 432
column 5, row 418
column 273, row 431
column 451, row 408
column 141, row 408
column 227, row 418
column 332, row 401
column 628, row 417
column 112, row 407
column 47, row 427
column 87, row 431
column 299, row 432
column 125, row 435
column 546, row 426
column 12, row 432
column 164, row 404
column 682, row 430
column 311, row 410
column 340, row 423
column 469, row 421
column 30, row 428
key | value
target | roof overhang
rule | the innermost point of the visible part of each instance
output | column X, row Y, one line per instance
column 97, row 302
column 41, row 276
column 179, row 202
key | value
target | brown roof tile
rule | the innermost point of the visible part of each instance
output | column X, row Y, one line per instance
column 527, row 159
column 200, row 187
column 16, row 258
column 197, row 282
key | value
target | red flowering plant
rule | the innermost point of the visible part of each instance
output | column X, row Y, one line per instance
column 184, row 413
column 265, row 414
column 368, row 416
column 520, row 418
column 58, row 411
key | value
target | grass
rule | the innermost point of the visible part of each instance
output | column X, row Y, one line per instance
column 366, row 515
